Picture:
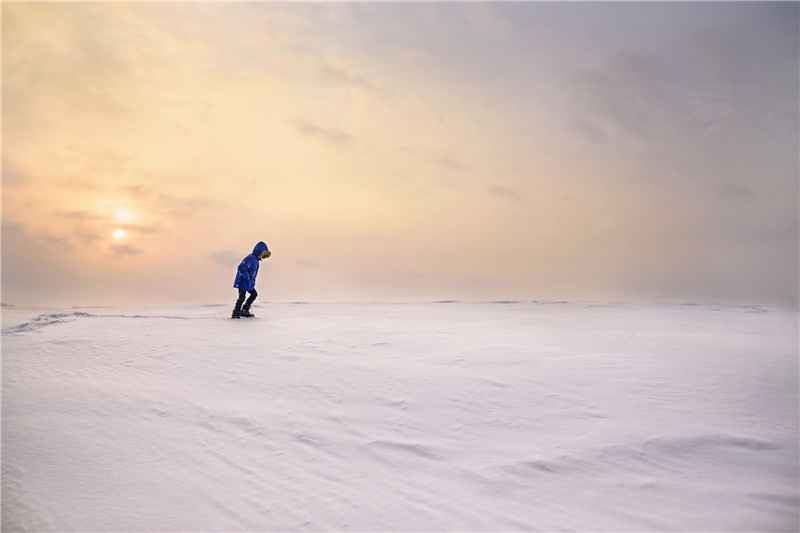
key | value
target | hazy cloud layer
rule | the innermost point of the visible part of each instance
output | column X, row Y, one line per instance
column 438, row 151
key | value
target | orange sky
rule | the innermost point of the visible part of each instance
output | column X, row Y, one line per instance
column 400, row 151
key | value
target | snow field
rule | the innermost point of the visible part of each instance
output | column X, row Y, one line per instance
column 517, row 416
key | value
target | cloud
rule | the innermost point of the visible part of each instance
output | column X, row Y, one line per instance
column 340, row 75
column 710, row 80
column 226, row 258
column 28, row 265
column 331, row 135
column 628, row 95
column 486, row 20
column 120, row 250
column 307, row 263
column 166, row 203
column 88, row 227
column 185, row 205
column 504, row 192
column 54, row 240
column 14, row 178
column 43, row 239
column 86, row 236
column 736, row 193
column 83, row 216
column 81, row 185
column 449, row 163
column 148, row 229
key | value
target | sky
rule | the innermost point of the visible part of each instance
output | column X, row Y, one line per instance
column 400, row 151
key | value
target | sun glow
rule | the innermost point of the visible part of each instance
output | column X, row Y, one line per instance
column 119, row 234
column 125, row 215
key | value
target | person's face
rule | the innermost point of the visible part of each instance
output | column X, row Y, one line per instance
column 264, row 254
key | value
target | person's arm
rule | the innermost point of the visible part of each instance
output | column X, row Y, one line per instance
column 247, row 269
column 244, row 268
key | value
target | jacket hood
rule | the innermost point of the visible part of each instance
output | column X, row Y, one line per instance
column 260, row 247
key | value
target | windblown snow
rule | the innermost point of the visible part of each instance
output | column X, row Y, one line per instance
column 516, row 416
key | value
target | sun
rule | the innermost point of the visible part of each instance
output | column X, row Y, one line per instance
column 119, row 234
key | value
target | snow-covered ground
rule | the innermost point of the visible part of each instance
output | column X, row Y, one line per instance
column 401, row 417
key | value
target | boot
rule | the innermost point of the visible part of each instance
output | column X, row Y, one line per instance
column 236, row 314
column 246, row 312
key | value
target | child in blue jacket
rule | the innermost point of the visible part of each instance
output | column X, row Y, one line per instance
column 246, row 280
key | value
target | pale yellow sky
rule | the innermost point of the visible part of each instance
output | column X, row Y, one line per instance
column 399, row 151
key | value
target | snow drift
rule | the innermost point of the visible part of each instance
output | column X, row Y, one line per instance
column 516, row 416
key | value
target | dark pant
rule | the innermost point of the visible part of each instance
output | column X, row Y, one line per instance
column 248, row 303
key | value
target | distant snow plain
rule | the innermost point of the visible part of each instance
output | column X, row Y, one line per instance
column 449, row 416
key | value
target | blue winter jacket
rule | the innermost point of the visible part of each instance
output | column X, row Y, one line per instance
column 248, row 269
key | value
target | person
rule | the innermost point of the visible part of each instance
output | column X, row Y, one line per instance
column 246, row 280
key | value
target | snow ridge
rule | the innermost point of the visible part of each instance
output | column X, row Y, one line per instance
column 48, row 319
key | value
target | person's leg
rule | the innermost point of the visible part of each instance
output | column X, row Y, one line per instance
column 237, row 310
column 246, row 308
column 253, row 296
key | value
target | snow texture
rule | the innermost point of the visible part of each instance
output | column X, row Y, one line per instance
column 506, row 416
